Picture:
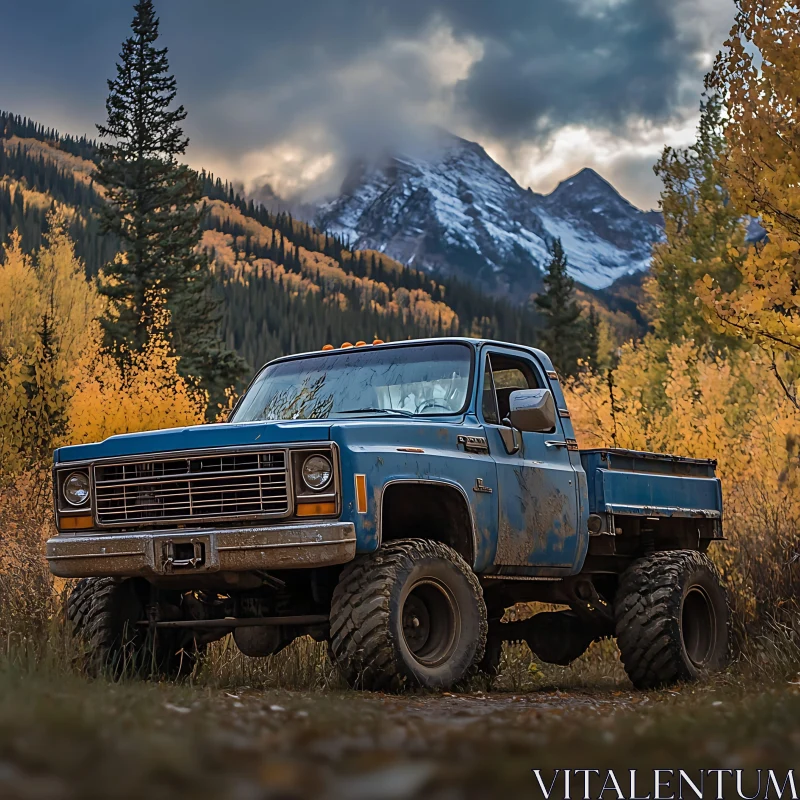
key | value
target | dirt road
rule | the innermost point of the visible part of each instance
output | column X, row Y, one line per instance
column 66, row 738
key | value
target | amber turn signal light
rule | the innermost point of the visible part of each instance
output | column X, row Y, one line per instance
column 315, row 509
column 75, row 523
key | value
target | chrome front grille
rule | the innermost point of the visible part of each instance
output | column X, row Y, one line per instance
column 206, row 486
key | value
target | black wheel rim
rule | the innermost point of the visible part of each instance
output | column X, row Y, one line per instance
column 698, row 626
column 431, row 622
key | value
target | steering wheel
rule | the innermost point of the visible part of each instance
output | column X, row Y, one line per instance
column 432, row 403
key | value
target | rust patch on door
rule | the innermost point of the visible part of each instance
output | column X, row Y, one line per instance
column 544, row 523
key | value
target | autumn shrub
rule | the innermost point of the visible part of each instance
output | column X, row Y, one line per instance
column 29, row 599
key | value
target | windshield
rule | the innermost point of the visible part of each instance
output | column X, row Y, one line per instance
column 418, row 380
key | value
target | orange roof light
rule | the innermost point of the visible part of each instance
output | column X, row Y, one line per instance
column 378, row 341
column 361, row 344
column 327, row 347
column 346, row 344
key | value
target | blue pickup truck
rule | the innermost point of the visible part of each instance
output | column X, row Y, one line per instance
column 392, row 499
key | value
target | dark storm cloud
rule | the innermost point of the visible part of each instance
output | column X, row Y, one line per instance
column 254, row 73
column 546, row 63
column 580, row 63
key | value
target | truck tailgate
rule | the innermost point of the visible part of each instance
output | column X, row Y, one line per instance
column 651, row 484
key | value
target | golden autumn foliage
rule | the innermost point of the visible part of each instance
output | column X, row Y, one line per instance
column 31, row 197
column 319, row 272
column 147, row 395
column 80, row 168
column 48, row 321
column 758, row 76
column 59, row 383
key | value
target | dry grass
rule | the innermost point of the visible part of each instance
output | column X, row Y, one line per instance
column 302, row 666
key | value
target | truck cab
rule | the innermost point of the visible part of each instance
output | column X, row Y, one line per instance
column 392, row 499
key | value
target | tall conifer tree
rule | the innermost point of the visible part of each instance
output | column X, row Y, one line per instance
column 563, row 330
column 153, row 207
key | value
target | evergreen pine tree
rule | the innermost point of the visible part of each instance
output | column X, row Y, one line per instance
column 153, row 209
column 562, row 332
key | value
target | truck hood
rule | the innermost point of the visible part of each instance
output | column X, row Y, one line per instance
column 198, row 437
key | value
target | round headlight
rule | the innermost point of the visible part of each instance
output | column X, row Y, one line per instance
column 317, row 472
column 76, row 488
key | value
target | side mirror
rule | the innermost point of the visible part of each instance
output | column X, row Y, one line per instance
column 533, row 410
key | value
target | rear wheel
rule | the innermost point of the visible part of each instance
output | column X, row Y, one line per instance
column 672, row 619
column 105, row 614
column 411, row 614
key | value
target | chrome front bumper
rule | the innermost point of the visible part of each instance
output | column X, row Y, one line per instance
column 185, row 552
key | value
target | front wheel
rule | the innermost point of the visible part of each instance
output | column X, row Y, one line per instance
column 672, row 619
column 105, row 616
column 411, row 614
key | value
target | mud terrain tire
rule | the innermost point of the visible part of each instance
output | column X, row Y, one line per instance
column 672, row 619
column 104, row 613
column 409, row 615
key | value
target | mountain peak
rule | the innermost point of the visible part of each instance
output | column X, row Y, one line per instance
column 586, row 180
column 450, row 208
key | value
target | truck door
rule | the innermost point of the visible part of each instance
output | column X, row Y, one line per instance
column 537, row 485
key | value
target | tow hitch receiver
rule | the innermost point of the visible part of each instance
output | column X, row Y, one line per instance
column 186, row 554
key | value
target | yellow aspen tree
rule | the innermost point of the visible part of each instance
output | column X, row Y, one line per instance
column 71, row 303
column 703, row 231
column 758, row 76
column 20, row 300
column 48, row 324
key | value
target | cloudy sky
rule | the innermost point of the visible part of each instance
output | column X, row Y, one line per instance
column 288, row 92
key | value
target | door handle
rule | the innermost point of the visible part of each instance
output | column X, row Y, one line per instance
column 555, row 443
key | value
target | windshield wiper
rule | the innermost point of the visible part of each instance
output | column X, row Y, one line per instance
column 376, row 411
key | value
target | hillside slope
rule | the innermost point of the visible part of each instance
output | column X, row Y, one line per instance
column 285, row 286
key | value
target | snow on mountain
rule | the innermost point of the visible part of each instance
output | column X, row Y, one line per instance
column 457, row 211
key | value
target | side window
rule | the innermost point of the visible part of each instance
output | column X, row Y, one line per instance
column 489, row 402
column 508, row 374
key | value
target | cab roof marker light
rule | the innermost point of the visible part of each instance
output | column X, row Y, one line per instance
column 345, row 345
column 361, row 344
column 327, row 347
column 378, row 341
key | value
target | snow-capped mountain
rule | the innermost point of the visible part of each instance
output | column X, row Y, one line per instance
column 457, row 211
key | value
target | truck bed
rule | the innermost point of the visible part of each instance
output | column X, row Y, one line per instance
column 632, row 482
